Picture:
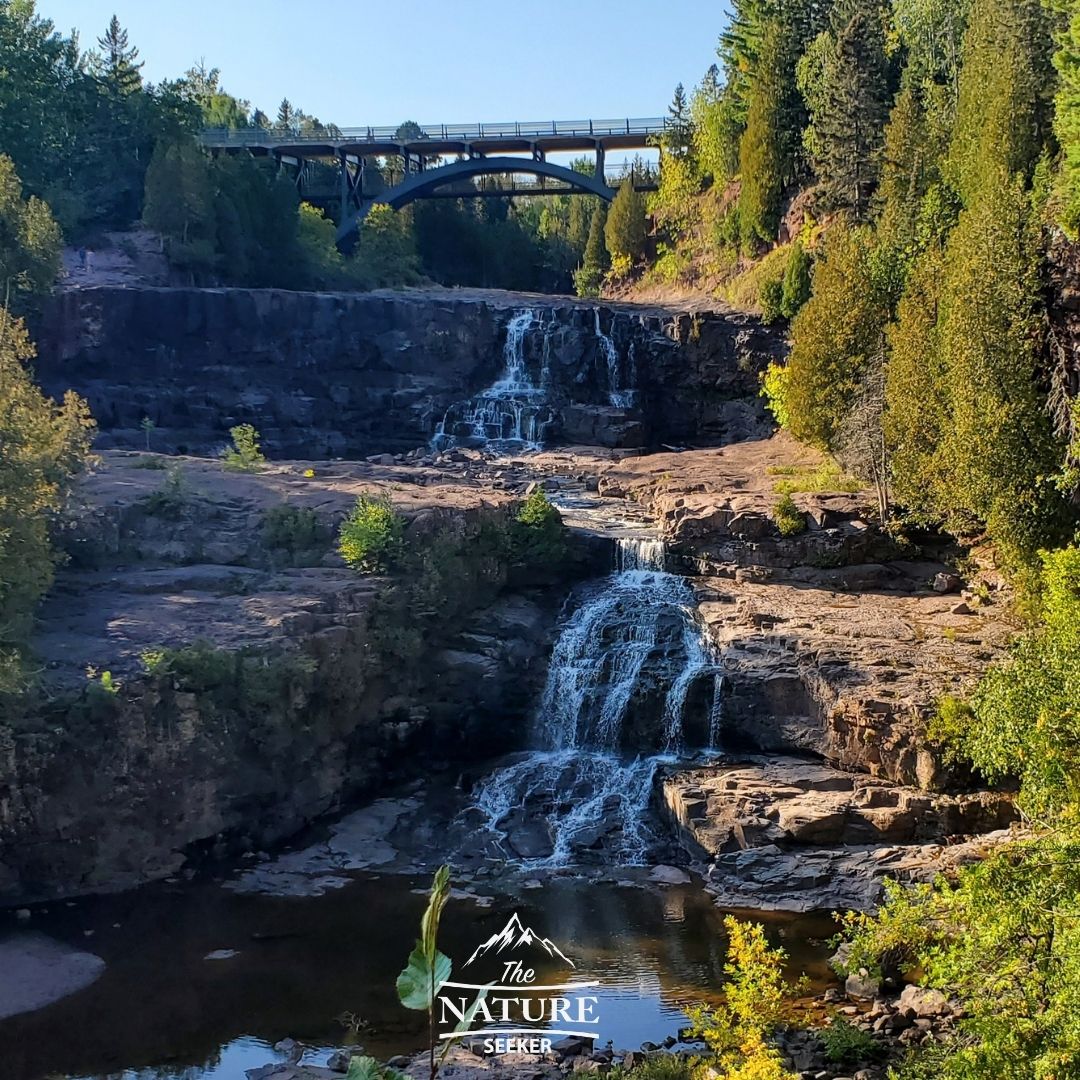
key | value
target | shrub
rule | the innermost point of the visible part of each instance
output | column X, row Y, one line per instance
column 845, row 1044
column 244, row 455
column 370, row 537
column 774, row 381
column 293, row 530
column 738, row 1032
column 171, row 499
column 772, row 301
column 789, row 519
column 537, row 535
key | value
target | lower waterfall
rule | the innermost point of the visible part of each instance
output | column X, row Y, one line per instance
column 623, row 671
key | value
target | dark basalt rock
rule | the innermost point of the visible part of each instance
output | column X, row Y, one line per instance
column 325, row 375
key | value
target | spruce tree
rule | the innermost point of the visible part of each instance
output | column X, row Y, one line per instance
column 679, row 133
column 846, row 78
column 117, row 64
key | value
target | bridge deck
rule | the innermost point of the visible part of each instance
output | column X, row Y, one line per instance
column 439, row 139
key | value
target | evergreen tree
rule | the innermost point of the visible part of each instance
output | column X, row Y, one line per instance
column 117, row 62
column 679, row 133
column 286, row 117
column 589, row 276
column 762, row 163
column 845, row 77
column 625, row 228
column 797, row 281
column 1003, row 114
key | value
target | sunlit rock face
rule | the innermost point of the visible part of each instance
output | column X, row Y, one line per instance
column 344, row 375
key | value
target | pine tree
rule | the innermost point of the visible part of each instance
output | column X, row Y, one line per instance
column 117, row 62
column 625, row 228
column 286, row 116
column 590, row 275
column 845, row 77
column 761, row 159
column 679, row 133
column 797, row 281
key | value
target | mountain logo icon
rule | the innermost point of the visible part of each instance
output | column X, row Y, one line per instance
column 515, row 935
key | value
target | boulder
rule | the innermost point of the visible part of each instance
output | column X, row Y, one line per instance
column 922, row 1002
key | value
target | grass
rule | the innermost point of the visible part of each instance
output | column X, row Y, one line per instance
column 795, row 479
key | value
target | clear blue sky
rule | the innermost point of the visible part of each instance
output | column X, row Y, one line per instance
column 371, row 62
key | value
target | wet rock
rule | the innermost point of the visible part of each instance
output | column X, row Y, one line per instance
column 572, row 1045
column 221, row 954
column 947, row 583
column 669, row 875
column 339, row 1060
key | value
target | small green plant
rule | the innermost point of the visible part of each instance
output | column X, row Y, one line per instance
column 826, row 477
column 428, row 968
column 845, row 1044
column 370, row 537
column 740, row 1030
column 147, row 426
column 171, row 499
column 245, row 454
column 789, row 519
column 774, row 381
column 150, row 463
column 154, row 661
column 661, row 1067
column 294, row 531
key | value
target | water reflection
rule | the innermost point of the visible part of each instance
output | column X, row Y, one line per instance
column 162, row 1010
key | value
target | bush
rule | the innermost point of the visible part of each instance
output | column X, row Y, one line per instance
column 370, row 537
column 789, row 519
column 537, row 535
column 774, row 381
column 244, row 455
column 295, row 531
column 171, row 499
column 845, row 1044
column 772, row 300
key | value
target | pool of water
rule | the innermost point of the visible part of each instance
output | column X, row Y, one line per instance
column 305, row 967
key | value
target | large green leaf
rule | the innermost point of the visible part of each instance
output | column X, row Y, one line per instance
column 420, row 981
column 364, row 1068
column 429, row 923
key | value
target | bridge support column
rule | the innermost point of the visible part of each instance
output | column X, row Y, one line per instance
column 599, row 162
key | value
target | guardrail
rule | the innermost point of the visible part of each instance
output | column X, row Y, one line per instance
column 443, row 132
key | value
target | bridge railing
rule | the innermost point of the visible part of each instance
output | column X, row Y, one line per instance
column 444, row 132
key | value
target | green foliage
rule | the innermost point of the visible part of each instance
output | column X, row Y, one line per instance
column 625, row 227
column 845, row 81
column 789, row 519
column 245, row 454
column 774, row 390
column 590, row 275
column 762, row 281
column 1067, row 120
column 826, row 477
column 371, row 536
column 538, row 534
column 29, row 240
column 660, row 1067
column 797, row 281
column 171, row 499
column 838, row 335
column 1004, row 940
column 295, row 532
column 316, row 235
column 44, row 446
column 845, row 1044
column 428, row 969
column 386, row 250
column 368, row 1068
column 738, row 1032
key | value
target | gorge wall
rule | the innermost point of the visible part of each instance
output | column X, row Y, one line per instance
column 345, row 375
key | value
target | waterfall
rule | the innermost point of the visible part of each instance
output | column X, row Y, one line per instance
column 512, row 413
column 612, row 711
column 617, row 395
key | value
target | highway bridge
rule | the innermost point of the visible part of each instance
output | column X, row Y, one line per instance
column 517, row 151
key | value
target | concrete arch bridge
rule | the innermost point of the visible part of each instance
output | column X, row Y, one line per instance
column 517, row 152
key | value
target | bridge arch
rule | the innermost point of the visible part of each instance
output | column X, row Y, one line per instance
column 420, row 184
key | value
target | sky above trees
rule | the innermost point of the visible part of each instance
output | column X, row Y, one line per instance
column 358, row 64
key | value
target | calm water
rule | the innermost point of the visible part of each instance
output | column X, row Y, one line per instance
column 162, row 1010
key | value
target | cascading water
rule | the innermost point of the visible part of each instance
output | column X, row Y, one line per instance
column 512, row 413
column 613, row 710
column 619, row 396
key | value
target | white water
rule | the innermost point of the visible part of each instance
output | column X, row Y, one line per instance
column 633, row 640
column 510, row 414
column 618, row 395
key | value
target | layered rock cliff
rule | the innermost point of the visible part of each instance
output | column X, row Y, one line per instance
column 347, row 375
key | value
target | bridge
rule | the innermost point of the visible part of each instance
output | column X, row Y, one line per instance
column 335, row 158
